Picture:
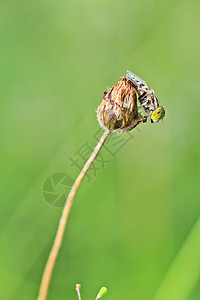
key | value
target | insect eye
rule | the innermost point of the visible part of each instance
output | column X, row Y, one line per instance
column 158, row 114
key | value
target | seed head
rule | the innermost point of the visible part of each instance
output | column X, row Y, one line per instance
column 118, row 110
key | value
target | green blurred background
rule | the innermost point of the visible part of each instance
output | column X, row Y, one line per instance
column 134, row 227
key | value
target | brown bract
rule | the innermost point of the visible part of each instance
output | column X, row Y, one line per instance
column 118, row 110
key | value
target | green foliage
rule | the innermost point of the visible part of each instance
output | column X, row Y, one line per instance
column 129, row 223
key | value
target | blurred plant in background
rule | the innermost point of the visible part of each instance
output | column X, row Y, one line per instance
column 134, row 230
column 101, row 293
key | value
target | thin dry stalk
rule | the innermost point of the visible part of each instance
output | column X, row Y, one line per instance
column 63, row 220
column 78, row 286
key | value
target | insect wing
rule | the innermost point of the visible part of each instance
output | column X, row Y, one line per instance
column 135, row 79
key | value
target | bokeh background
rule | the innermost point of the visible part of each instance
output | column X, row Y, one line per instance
column 134, row 225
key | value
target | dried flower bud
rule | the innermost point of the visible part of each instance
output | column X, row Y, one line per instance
column 118, row 110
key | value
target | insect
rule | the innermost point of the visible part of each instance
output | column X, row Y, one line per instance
column 147, row 98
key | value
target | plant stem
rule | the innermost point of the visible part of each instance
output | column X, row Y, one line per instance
column 63, row 220
column 78, row 286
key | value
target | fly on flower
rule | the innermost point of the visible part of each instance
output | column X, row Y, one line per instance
column 147, row 98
